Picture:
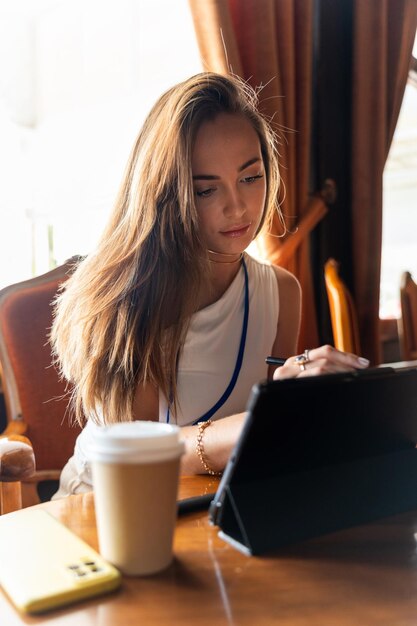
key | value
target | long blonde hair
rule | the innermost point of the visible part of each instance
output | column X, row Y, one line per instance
column 122, row 317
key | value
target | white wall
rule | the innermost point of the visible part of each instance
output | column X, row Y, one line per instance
column 96, row 68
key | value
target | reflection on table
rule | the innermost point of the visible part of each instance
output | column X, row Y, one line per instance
column 361, row 576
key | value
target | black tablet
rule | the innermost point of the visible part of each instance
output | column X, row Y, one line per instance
column 318, row 454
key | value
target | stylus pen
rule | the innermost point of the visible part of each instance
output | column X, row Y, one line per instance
column 198, row 503
column 274, row 360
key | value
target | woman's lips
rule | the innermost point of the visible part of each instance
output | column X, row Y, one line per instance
column 239, row 231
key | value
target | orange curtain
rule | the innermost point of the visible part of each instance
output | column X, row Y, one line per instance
column 269, row 43
column 383, row 35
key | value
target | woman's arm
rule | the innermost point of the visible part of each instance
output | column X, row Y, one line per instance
column 289, row 315
column 322, row 360
column 219, row 438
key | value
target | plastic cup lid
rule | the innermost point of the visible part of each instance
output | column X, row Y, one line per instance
column 136, row 441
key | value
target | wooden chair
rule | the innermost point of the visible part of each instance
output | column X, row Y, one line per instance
column 342, row 310
column 315, row 210
column 407, row 324
column 36, row 399
column 17, row 463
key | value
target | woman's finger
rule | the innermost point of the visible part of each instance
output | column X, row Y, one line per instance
column 323, row 360
column 333, row 355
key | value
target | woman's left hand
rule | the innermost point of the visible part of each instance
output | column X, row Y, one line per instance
column 318, row 361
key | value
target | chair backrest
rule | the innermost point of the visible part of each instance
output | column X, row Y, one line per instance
column 34, row 394
column 407, row 324
column 342, row 310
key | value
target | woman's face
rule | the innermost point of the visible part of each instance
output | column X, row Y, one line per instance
column 229, row 182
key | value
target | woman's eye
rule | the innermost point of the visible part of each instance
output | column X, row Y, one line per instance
column 204, row 193
column 252, row 179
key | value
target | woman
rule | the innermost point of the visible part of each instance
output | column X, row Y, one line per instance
column 169, row 318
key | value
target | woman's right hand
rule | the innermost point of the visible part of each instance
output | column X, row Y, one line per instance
column 318, row 361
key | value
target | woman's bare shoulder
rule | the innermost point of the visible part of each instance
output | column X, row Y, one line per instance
column 288, row 284
column 289, row 290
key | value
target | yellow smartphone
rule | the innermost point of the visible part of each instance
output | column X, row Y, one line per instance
column 44, row 565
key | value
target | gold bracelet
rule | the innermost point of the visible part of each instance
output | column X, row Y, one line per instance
column 200, row 448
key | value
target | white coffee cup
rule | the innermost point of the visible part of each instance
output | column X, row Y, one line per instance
column 135, row 470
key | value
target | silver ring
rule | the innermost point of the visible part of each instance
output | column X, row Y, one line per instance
column 302, row 359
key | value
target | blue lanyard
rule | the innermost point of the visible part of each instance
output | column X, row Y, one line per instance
column 239, row 359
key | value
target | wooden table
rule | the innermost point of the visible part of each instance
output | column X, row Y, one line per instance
column 363, row 576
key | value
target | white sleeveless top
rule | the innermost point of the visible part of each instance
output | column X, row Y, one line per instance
column 211, row 347
column 207, row 362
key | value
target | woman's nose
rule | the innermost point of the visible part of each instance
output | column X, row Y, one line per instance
column 234, row 203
